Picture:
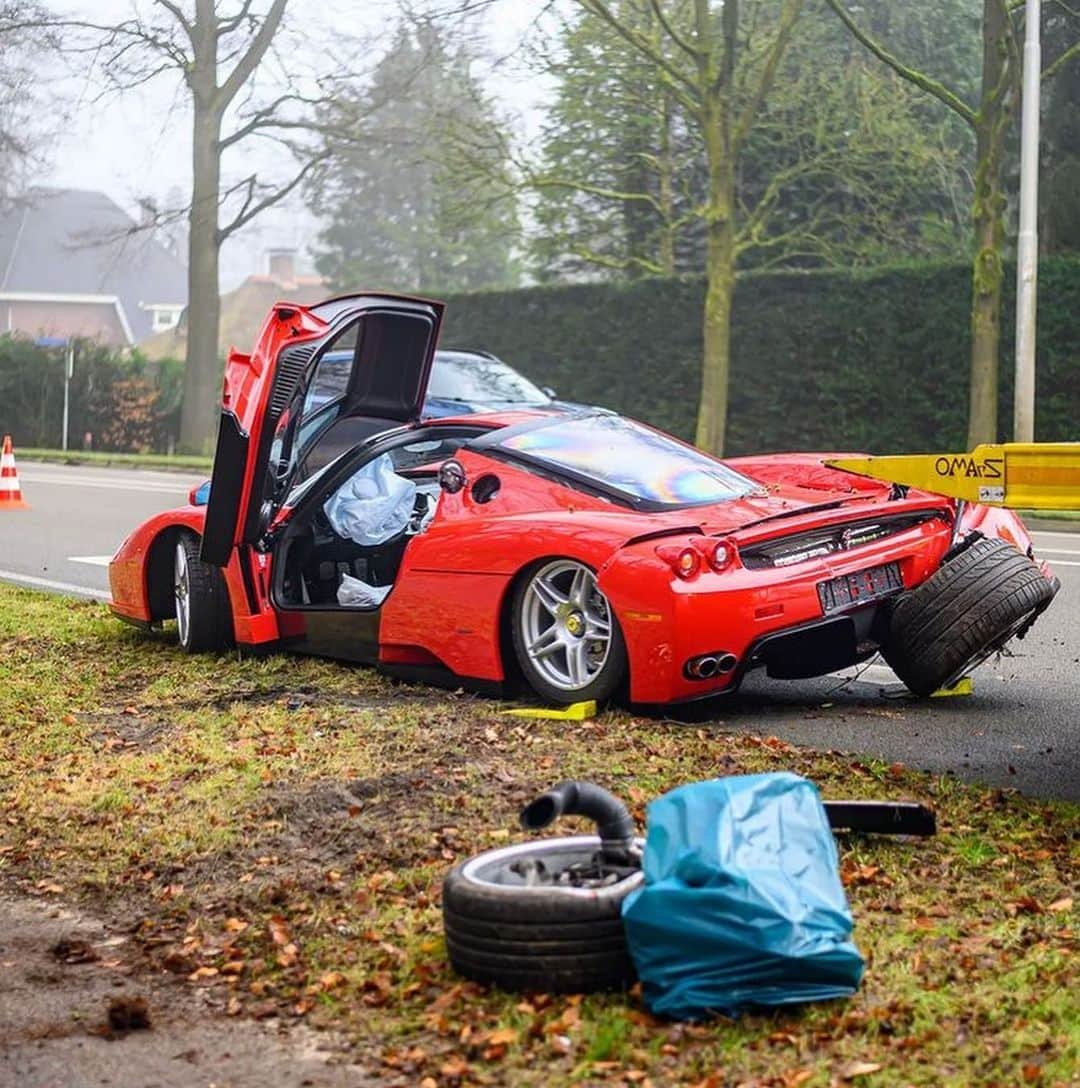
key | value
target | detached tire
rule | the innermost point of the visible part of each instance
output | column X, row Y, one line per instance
column 967, row 610
column 543, row 938
column 203, row 614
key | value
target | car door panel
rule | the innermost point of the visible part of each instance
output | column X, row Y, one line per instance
column 264, row 393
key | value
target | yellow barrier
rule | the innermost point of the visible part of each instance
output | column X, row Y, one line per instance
column 1019, row 475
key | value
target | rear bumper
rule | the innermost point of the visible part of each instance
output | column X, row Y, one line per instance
column 764, row 617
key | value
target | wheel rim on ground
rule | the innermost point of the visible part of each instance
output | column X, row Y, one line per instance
column 182, row 592
column 565, row 625
column 501, row 869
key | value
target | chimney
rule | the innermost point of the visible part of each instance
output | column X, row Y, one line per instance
column 283, row 266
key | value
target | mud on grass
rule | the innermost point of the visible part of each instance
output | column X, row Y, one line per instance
column 276, row 831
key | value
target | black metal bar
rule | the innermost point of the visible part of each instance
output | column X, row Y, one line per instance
column 881, row 817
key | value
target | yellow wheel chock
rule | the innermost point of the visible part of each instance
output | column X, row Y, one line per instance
column 575, row 712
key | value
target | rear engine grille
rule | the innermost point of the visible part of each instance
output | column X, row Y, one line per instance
column 797, row 548
column 291, row 365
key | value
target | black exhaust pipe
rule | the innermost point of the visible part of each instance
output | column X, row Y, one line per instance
column 614, row 824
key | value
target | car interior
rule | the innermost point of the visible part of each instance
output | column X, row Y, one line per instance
column 320, row 550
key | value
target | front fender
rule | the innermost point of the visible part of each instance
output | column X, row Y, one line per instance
column 130, row 570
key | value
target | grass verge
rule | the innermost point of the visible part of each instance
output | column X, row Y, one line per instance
column 276, row 831
column 175, row 462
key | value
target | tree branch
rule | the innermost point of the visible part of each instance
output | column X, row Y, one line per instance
column 595, row 190
column 618, row 264
column 178, row 15
column 642, row 44
column 265, row 117
column 255, row 52
column 789, row 16
column 687, row 47
column 252, row 207
column 227, row 26
column 923, row 82
column 1069, row 55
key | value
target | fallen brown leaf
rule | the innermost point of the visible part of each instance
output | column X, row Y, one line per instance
column 859, row 1069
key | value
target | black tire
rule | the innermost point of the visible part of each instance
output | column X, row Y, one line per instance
column 549, row 938
column 610, row 676
column 207, row 625
column 964, row 612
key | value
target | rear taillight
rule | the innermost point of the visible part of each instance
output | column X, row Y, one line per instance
column 721, row 554
column 685, row 561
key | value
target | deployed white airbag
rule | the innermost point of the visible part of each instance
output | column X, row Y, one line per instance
column 374, row 505
column 353, row 593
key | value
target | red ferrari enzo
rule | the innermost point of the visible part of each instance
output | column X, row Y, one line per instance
column 583, row 553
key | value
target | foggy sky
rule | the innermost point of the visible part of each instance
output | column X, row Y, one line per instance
column 137, row 144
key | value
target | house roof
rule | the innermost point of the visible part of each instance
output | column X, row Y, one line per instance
column 79, row 242
column 243, row 312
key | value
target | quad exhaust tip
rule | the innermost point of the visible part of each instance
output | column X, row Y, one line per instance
column 707, row 666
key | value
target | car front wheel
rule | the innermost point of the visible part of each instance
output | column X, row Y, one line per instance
column 203, row 621
column 566, row 637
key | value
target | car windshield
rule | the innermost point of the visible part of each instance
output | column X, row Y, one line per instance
column 632, row 459
column 480, row 379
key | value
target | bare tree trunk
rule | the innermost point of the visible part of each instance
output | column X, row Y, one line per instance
column 202, row 373
column 665, row 161
column 986, row 286
column 719, row 279
column 987, row 211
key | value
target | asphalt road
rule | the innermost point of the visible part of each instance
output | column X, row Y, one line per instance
column 1020, row 728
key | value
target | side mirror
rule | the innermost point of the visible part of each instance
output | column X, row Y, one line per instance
column 548, row 391
column 199, row 496
column 451, row 476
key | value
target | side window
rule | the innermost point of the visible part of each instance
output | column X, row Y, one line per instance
column 332, row 372
column 427, row 454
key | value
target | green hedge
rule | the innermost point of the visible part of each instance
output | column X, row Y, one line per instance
column 124, row 401
column 874, row 360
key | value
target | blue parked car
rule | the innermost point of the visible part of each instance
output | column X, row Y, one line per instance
column 475, row 381
column 461, row 383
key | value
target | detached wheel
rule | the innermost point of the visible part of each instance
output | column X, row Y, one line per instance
column 966, row 611
column 566, row 637
column 203, row 618
column 505, row 928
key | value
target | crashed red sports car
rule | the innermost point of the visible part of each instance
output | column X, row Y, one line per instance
column 585, row 554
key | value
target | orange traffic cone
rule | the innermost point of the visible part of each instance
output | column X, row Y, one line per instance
column 10, row 494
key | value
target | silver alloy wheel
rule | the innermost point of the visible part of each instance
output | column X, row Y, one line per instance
column 503, row 871
column 565, row 625
column 182, row 592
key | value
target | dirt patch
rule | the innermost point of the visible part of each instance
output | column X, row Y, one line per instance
column 118, row 732
column 107, row 1020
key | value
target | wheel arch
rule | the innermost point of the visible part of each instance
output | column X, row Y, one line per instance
column 159, row 572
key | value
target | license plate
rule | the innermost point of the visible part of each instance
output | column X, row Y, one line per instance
column 850, row 590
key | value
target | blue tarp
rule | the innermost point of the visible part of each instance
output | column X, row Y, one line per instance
column 742, row 904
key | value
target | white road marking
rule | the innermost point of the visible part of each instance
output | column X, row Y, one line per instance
column 104, row 560
column 48, row 583
column 1064, row 536
column 1064, row 563
column 1060, row 551
column 111, row 485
